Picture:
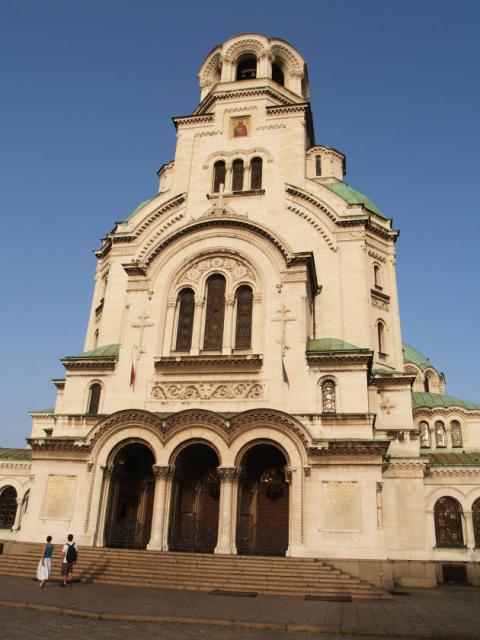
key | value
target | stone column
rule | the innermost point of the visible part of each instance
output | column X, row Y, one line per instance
column 294, row 478
column 197, row 326
column 379, row 505
column 246, row 177
column 469, row 531
column 228, row 324
column 228, row 177
column 228, row 481
column 168, row 337
column 103, row 506
column 256, row 322
column 18, row 513
column 162, row 474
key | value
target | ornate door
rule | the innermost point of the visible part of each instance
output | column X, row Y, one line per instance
column 194, row 525
column 262, row 525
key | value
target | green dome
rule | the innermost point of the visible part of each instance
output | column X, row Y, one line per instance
column 352, row 196
column 412, row 356
column 331, row 344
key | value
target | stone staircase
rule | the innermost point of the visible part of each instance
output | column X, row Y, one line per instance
column 304, row 577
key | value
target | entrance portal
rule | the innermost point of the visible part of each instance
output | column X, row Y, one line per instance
column 262, row 523
column 130, row 505
column 195, row 500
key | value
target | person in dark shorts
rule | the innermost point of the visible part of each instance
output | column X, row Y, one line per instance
column 69, row 559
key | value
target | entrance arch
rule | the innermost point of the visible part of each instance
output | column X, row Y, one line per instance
column 130, row 505
column 263, row 502
column 195, row 500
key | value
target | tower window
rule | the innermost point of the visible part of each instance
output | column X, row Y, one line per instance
column 237, row 175
column 218, row 175
column 328, row 397
column 381, row 338
column 94, row 399
column 256, row 173
column 277, row 74
column 186, row 299
column 243, row 326
column 424, row 435
column 215, row 314
column 376, row 276
column 456, row 433
column 318, row 165
column 247, row 68
column 440, row 434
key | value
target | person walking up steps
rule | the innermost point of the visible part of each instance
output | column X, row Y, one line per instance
column 69, row 559
column 45, row 564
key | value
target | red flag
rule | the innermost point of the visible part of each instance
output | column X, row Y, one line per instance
column 132, row 376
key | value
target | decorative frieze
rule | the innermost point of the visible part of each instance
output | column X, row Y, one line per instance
column 237, row 269
column 189, row 391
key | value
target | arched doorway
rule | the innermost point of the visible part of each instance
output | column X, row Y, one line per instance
column 130, row 506
column 262, row 522
column 195, row 500
column 8, row 507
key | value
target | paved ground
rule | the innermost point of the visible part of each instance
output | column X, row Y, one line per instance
column 449, row 612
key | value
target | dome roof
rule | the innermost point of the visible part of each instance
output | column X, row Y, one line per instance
column 412, row 356
column 352, row 196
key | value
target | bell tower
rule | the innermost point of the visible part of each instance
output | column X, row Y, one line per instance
column 255, row 60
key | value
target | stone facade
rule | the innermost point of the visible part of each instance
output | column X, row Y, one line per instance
column 317, row 385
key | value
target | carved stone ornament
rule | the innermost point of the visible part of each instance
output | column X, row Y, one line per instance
column 161, row 471
column 386, row 405
column 228, row 473
column 190, row 391
column 233, row 266
column 380, row 304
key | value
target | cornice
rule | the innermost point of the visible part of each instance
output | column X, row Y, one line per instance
column 209, row 363
column 338, row 358
column 350, row 448
column 75, row 364
column 15, row 465
column 236, row 94
column 58, row 444
column 444, row 411
column 452, row 472
column 274, row 110
column 193, row 119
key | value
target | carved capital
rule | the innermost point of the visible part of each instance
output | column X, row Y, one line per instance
column 171, row 302
column 228, row 473
column 161, row 471
column 230, row 299
column 107, row 470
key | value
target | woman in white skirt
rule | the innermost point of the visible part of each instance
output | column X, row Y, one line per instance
column 45, row 565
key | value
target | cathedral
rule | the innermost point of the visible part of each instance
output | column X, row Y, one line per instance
column 244, row 388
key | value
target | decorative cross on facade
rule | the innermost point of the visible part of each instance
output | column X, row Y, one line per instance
column 283, row 311
column 386, row 405
column 142, row 325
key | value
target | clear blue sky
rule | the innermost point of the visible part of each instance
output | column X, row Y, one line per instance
column 88, row 90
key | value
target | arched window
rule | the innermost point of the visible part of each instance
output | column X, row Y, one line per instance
column 448, row 523
column 381, row 337
column 256, row 173
column 8, row 507
column 476, row 522
column 456, row 433
column 94, row 399
column 376, row 276
column 318, row 165
column 186, row 309
column 328, row 397
column 425, row 442
column 440, row 434
column 218, row 175
column 277, row 74
column 243, row 325
column 247, row 68
column 237, row 175
column 215, row 313
column 426, row 384
column 95, row 339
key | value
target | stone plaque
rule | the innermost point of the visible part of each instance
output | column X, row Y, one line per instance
column 341, row 506
column 60, row 497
